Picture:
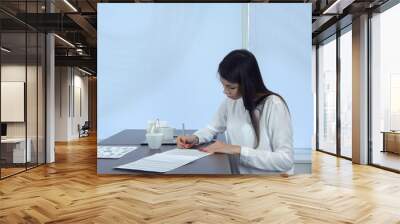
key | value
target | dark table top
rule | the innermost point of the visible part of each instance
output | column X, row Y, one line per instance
column 212, row 164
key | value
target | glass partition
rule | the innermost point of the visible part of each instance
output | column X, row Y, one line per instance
column 32, row 95
column 327, row 95
column 41, row 109
column 22, row 89
column 13, row 105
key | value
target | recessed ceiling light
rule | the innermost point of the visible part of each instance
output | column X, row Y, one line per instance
column 5, row 50
column 86, row 72
column 64, row 40
column 338, row 6
column 71, row 6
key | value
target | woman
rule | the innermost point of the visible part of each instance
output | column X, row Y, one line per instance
column 256, row 120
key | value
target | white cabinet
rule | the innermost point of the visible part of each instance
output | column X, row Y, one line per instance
column 19, row 149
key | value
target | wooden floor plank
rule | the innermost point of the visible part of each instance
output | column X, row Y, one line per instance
column 70, row 191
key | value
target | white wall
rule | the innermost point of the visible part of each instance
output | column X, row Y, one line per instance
column 67, row 85
column 79, row 117
column 61, row 103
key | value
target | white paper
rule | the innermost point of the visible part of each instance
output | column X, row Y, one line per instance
column 166, row 161
column 187, row 152
column 113, row 152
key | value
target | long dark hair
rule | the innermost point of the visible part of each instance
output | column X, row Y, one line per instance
column 241, row 67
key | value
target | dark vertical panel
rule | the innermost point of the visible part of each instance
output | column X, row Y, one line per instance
column 369, row 96
column 73, row 91
column 44, row 71
column 338, row 91
column 45, row 93
column 26, row 79
column 317, row 96
column 69, row 92
column 37, row 90
column 80, row 102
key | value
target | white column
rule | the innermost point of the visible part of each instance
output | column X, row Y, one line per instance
column 50, row 93
column 50, row 110
column 360, row 90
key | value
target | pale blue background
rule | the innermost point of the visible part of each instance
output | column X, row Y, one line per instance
column 161, row 60
column 280, row 37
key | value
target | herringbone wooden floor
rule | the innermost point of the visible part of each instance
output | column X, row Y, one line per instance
column 70, row 191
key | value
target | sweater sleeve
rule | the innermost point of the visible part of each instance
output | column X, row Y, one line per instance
column 279, row 129
column 217, row 125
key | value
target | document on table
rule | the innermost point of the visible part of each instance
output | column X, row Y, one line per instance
column 113, row 152
column 166, row 161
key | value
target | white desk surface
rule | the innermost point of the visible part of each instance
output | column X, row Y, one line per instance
column 13, row 140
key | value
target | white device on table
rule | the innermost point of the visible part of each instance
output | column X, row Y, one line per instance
column 113, row 151
column 157, row 130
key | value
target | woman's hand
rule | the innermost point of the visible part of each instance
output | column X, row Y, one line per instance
column 186, row 142
column 220, row 147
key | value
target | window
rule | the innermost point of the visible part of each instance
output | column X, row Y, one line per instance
column 346, row 93
column 385, row 89
column 327, row 95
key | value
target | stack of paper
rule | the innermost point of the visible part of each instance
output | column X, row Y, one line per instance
column 166, row 161
column 113, row 152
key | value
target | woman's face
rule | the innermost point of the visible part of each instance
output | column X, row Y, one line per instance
column 231, row 90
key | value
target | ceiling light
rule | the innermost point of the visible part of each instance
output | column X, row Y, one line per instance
column 86, row 72
column 338, row 6
column 71, row 6
column 64, row 40
column 5, row 49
